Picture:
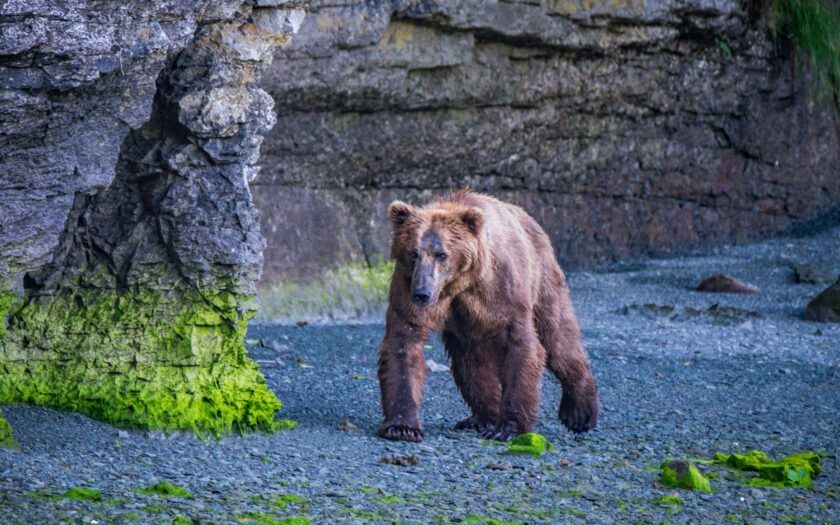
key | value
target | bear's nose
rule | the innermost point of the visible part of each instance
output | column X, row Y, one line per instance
column 421, row 295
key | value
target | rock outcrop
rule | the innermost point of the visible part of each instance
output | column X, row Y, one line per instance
column 825, row 307
column 130, row 245
column 626, row 128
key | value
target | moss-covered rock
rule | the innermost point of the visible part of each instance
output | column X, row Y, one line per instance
column 531, row 444
column 6, row 438
column 138, row 358
column 165, row 489
column 795, row 470
column 685, row 475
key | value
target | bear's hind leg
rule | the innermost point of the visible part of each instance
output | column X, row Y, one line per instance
column 524, row 360
column 559, row 333
column 476, row 375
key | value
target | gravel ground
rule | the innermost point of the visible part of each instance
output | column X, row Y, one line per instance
column 680, row 383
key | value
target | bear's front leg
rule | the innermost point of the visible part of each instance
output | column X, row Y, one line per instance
column 402, row 371
column 521, row 380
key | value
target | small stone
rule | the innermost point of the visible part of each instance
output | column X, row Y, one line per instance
column 756, row 494
column 722, row 283
column 436, row 367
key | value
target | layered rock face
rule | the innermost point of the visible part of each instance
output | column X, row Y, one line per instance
column 626, row 128
column 130, row 245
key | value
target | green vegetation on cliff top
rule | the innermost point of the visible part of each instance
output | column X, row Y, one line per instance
column 814, row 27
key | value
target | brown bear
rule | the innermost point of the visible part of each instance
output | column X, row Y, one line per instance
column 483, row 273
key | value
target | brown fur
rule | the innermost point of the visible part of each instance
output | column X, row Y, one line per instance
column 483, row 273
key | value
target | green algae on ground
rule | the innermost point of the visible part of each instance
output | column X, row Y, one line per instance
column 489, row 521
column 531, row 444
column 6, row 438
column 284, row 424
column 76, row 493
column 683, row 474
column 83, row 494
column 181, row 520
column 281, row 502
column 259, row 518
column 795, row 470
column 138, row 358
column 165, row 489
column 670, row 501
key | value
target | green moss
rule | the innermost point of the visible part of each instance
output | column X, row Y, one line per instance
column 149, row 359
column 669, row 501
column 7, row 299
column 6, row 438
column 83, row 494
column 683, row 474
column 165, row 489
column 489, row 521
column 130, row 516
column 352, row 290
column 531, row 444
column 814, row 26
column 152, row 509
column 258, row 518
column 283, row 501
column 72, row 493
column 181, row 520
column 795, row 470
column 296, row 520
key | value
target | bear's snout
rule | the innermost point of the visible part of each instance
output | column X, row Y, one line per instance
column 421, row 296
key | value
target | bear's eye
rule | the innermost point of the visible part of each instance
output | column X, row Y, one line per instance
column 414, row 255
column 441, row 256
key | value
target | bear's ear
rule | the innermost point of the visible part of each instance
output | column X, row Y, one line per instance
column 399, row 213
column 473, row 219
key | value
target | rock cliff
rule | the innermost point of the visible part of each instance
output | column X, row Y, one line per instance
column 129, row 243
column 627, row 128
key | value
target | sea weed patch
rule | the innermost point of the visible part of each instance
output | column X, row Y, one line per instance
column 531, row 444
column 795, row 470
column 165, row 489
column 685, row 475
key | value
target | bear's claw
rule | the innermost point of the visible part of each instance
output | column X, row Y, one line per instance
column 402, row 433
column 474, row 423
column 502, row 431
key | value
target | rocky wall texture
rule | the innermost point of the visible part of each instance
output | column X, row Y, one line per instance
column 627, row 128
column 129, row 134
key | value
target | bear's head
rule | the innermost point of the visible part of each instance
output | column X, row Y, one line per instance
column 434, row 247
